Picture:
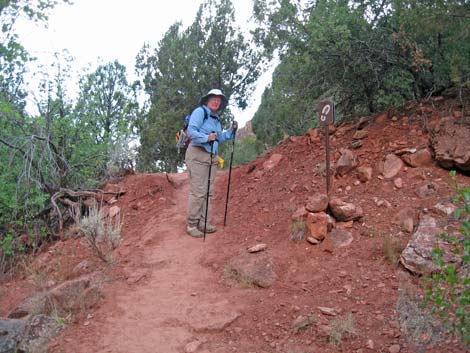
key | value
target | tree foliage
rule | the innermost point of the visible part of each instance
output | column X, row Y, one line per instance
column 69, row 145
column 107, row 104
column 210, row 53
column 13, row 56
column 244, row 151
column 366, row 56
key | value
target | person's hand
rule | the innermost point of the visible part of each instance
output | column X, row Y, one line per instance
column 212, row 137
column 234, row 126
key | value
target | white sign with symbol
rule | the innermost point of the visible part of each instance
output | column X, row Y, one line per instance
column 326, row 110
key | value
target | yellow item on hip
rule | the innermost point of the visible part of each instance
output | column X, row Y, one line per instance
column 220, row 163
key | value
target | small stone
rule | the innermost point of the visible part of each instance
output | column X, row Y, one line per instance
column 313, row 240
column 317, row 203
column 327, row 311
column 345, row 225
column 398, row 182
column 257, row 248
column 370, row 344
column 192, row 347
column 445, row 209
column 394, row 348
column 364, row 173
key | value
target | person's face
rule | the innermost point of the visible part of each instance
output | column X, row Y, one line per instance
column 214, row 103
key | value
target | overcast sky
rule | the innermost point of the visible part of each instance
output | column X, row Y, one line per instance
column 100, row 31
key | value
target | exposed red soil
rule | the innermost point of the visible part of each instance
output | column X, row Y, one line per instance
column 168, row 292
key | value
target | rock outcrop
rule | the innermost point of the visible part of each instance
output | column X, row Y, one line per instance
column 450, row 144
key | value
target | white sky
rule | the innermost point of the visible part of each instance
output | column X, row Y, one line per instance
column 100, row 31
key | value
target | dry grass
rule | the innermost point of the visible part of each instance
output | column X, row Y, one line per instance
column 234, row 276
column 3, row 292
column 65, row 264
column 340, row 327
column 391, row 249
column 303, row 324
column 297, row 230
column 417, row 324
column 102, row 235
column 37, row 276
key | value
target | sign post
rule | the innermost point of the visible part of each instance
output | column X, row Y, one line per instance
column 326, row 112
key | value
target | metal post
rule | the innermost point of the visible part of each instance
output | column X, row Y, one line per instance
column 208, row 189
column 229, row 178
column 326, row 111
column 327, row 134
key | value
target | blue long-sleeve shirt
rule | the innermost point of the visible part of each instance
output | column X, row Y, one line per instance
column 200, row 129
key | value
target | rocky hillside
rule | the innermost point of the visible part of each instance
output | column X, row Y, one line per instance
column 294, row 270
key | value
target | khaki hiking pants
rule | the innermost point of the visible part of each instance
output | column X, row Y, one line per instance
column 198, row 162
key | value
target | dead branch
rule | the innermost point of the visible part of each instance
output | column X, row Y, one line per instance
column 72, row 199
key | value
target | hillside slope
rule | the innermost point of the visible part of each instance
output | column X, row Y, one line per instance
column 167, row 292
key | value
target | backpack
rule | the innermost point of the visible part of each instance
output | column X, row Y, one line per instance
column 181, row 137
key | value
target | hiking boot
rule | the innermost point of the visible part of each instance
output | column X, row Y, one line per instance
column 209, row 228
column 194, row 232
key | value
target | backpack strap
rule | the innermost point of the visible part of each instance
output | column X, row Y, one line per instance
column 206, row 114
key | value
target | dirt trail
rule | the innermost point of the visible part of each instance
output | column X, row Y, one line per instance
column 168, row 292
column 172, row 305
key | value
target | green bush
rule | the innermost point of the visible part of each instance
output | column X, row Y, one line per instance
column 246, row 150
column 449, row 295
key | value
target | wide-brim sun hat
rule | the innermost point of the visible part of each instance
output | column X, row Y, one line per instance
column 215, row 92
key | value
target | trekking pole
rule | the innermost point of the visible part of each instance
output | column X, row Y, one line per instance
column 208, row 188
column 229, row 177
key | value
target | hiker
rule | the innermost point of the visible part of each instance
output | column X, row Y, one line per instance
column 205, row 135
column 182, row 140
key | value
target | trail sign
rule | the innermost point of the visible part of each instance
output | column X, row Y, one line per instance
column 326, row 111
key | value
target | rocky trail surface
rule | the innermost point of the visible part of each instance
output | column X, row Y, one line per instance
column 293, row 271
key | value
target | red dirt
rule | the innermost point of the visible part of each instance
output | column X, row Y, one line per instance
column 168, row 292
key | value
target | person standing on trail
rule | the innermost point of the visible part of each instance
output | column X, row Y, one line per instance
column 205, row 133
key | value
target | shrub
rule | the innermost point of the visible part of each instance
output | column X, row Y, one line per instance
column 419, row 327
column 341, row 326
column 245, row 151
column 102, row 235
column 449, row 295
column 297, row 230
column 6, row 252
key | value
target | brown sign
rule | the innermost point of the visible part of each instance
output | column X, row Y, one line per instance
column 326, row 111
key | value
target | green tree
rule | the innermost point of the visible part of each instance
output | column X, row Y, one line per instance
column 107, row 111
column 21, row 177
column 107, row 103
column 13, row 56
column 364, row 55
column 245, row 151
column 211, row 53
